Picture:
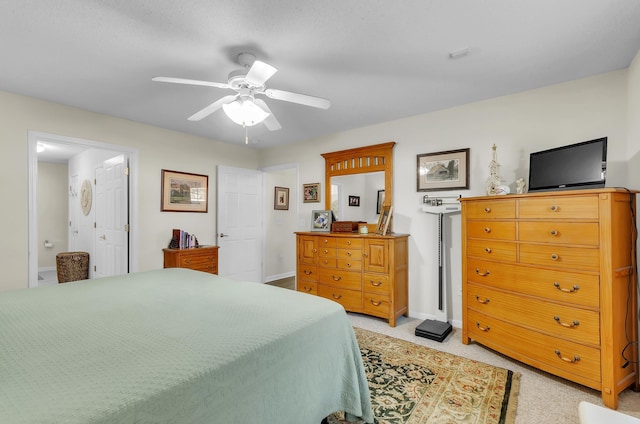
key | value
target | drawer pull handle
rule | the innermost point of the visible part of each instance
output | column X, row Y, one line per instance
column 574, row 289
column 374, row 303
column 336, row 277
column 315, row 250
column 306, row 272
column 554, row 208
column 307, row 289
column 554, row 257
column 348, row 253
column 336, row 296
column 482, row 274
column 187, row 260
column 566, row 325
column 569, row 360
column 483, row 301
column 349, row 242
column 481, row 328
column 487, row 210
column 326, row 261
column 348, row 264
column 326, row 251
column 325, row 241
column 365, row 255
column 554, row 233
column 487, row 230
column 487, row 249
column 376, row 283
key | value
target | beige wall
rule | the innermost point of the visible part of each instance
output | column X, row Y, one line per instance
column 518, row 124
column 53, row 196
column 157, row 148
column 633, row 118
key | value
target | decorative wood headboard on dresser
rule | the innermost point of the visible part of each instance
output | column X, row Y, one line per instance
column 550, row 279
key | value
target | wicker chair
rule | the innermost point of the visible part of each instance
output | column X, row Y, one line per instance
column 72, row 266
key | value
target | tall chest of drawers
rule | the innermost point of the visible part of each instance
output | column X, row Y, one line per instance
column 364, row 273
column 549, row 280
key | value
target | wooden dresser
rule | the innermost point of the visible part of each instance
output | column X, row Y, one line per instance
column 203, row 258
column 548, row 279
column 365, row 273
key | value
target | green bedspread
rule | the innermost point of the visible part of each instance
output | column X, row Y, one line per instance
column 176, row 346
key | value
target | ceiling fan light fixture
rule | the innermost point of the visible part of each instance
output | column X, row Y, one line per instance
column 245, row 112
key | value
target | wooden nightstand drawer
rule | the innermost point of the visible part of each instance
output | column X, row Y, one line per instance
column 376, row 304
column 579, row 258
column 559, row 207
column 350, row 299
column 491, row 249
column 204, row 258
column 585, row 233
column 503, row 230
column 492, row 209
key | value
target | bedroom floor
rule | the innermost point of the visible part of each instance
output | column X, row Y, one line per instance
column 543, row 397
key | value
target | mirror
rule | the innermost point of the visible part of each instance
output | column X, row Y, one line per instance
column 355, row 197
column 358, row 182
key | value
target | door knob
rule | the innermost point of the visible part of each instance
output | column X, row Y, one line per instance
column 224, row 235
column 103, row 237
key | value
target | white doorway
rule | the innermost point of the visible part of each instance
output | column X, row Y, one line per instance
column 73, row 145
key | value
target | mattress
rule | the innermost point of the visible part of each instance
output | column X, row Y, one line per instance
column 176, row 346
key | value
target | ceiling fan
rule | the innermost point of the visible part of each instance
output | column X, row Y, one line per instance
column 243, row 107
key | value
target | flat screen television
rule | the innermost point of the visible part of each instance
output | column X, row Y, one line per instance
column 576, row 166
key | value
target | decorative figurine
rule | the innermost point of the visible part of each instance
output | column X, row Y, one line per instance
column 493, row 184
column 521, row 186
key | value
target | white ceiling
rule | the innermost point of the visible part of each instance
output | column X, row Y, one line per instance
column 376, row 60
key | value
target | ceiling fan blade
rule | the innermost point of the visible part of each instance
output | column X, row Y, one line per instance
column 302, row 99
column 259, row 73
column 190, row 82
column 212, row 108
column 270, row 121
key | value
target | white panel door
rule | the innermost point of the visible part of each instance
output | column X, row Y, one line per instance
column 240, row 227
column 112, row 218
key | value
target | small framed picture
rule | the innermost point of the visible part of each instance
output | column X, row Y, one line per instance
column 311, row 193
column 443, row 170
column 384, row 220
column 184, row 192
column 281, row 199
column 354, row 200
column 321, row 221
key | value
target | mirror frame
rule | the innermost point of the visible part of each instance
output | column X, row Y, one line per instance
column 374, row 158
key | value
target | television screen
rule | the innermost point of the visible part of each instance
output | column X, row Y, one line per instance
column 580, row 165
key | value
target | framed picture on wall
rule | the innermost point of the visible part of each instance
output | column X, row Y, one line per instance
column 354, row 201
column 281, row 198
column 311, row 193
column 184, row 192
column 443, row 170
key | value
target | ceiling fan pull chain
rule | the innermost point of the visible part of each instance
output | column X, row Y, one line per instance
column 246, row 134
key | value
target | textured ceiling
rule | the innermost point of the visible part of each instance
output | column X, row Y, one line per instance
column 375, row 60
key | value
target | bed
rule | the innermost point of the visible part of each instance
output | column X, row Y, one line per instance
column 176, row 346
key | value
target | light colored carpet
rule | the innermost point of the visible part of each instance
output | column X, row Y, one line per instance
column 543, row 398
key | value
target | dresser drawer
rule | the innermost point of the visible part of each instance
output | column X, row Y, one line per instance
column 492, row 209
column 585, row 233
column 326, row 242
column 504, row 230
column 559, row 207
column 491, row 249
column 307, row 272
column 566, row 322
column 580, row 258
column 202, row 262
column 327, row 252
column 560, row 286
column 349, row 253
column 307, row 287
column 340, row 278
column 564, row 358
column 349, row 299
column 349, row 264
column 376, row 283
column 376, row 304
column 328, row 262
column 349, row 243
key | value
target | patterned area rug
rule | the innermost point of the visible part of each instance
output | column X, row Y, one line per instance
column 413, row 384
